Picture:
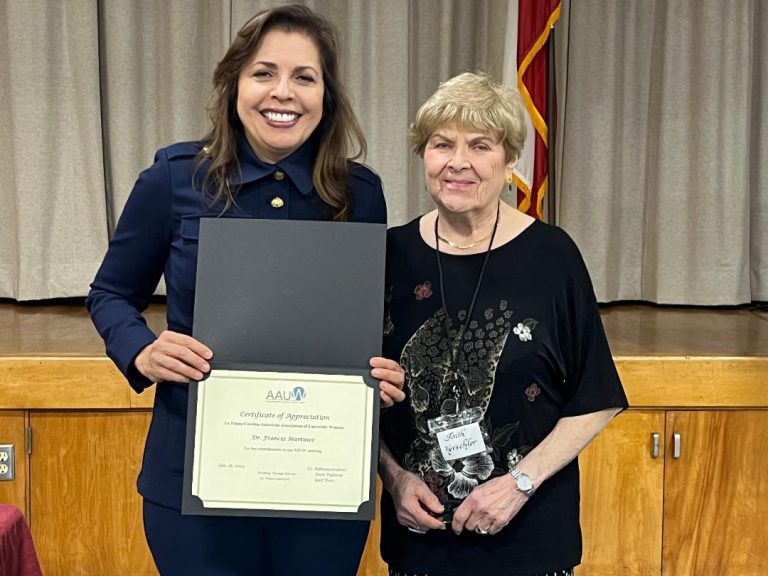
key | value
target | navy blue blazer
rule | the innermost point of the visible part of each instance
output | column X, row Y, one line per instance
column 157, row 234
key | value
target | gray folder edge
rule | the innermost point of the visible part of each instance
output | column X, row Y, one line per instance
column 325, row 270
column 192, row 505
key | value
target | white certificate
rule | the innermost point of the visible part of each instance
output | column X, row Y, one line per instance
column 283, row 441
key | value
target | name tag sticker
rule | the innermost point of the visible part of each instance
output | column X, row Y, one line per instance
column 461, row 441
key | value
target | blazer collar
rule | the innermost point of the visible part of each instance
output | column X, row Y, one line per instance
column 298, row 166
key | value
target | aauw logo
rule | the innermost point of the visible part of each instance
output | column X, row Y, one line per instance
column 296, row 395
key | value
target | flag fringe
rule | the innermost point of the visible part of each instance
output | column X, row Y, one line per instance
column 536, row 118
column 525, row 203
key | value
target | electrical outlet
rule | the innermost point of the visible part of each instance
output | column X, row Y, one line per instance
column 6, row 462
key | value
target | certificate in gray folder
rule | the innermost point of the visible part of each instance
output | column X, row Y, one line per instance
column 286, row 424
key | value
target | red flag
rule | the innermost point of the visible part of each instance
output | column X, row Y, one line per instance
column 535, row 20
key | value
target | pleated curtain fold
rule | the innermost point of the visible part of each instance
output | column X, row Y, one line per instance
column 662, row 178
column 661, row 131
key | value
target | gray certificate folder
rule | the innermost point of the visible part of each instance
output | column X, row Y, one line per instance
column 288, row 296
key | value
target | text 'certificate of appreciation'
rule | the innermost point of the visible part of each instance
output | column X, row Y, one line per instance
column 283, row 441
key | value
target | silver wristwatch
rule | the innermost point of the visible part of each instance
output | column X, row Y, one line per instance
column 523, row 482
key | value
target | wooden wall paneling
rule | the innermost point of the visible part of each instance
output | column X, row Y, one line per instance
column 621, row 498
column 13, row 431
column 144, row 400
column 716, row 494
column 60, row 383
column 85, row 511
column 714, row 382
column 371, row 563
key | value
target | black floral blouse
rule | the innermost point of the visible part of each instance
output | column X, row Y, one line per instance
column 534, row 351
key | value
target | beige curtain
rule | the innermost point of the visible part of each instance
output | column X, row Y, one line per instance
column 662, row 179
column 91, row 89
column 157, row 61
column 758, row 158
column 661, row 147
column 53, row 230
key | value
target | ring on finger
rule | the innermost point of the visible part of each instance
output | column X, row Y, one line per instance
column 481, row 531
column 416, row 530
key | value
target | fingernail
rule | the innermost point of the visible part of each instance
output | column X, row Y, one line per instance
column 208, row 355
column 206, row 367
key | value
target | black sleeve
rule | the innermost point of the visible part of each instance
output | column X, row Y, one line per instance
column 592, row 382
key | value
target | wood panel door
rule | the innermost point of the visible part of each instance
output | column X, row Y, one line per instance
column 85, row 511
column 716, row 494
column 622, row 497
column 13, row 431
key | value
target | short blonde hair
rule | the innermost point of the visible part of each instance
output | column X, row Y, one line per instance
column 472, row 102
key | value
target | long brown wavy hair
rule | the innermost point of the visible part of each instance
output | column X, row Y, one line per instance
column 340, row 136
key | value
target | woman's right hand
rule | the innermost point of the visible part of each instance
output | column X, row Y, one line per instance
column 173, row 357
column 414, row 501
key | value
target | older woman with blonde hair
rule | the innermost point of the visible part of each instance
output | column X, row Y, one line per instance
column 508, row 372
column 281, row 144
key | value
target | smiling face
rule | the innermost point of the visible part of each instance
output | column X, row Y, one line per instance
column 465, row 171
column 280, row 94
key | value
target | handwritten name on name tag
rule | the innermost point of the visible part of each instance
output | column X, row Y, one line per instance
column 461, row 442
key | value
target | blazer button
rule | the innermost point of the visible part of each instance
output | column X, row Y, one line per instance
column 279, row 175
column 277, row 202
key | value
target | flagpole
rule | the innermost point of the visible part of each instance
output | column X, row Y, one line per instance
column 552, row 124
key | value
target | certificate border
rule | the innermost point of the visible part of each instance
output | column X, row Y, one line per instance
column 358, row 491
column 192, row 505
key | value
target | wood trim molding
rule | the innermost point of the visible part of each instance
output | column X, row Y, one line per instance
column 65, row 383
column 650, row 382
column 695, row 382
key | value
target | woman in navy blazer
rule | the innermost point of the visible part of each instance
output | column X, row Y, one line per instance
column 279, row 147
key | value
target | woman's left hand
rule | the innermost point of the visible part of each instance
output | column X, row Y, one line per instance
column 489, row 507
column 392, row 378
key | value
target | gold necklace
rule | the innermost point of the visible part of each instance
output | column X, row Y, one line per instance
column 463, row 246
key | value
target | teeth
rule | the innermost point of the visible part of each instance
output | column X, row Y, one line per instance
column 278, row 117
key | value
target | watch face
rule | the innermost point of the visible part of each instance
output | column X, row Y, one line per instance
column 524, row 483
